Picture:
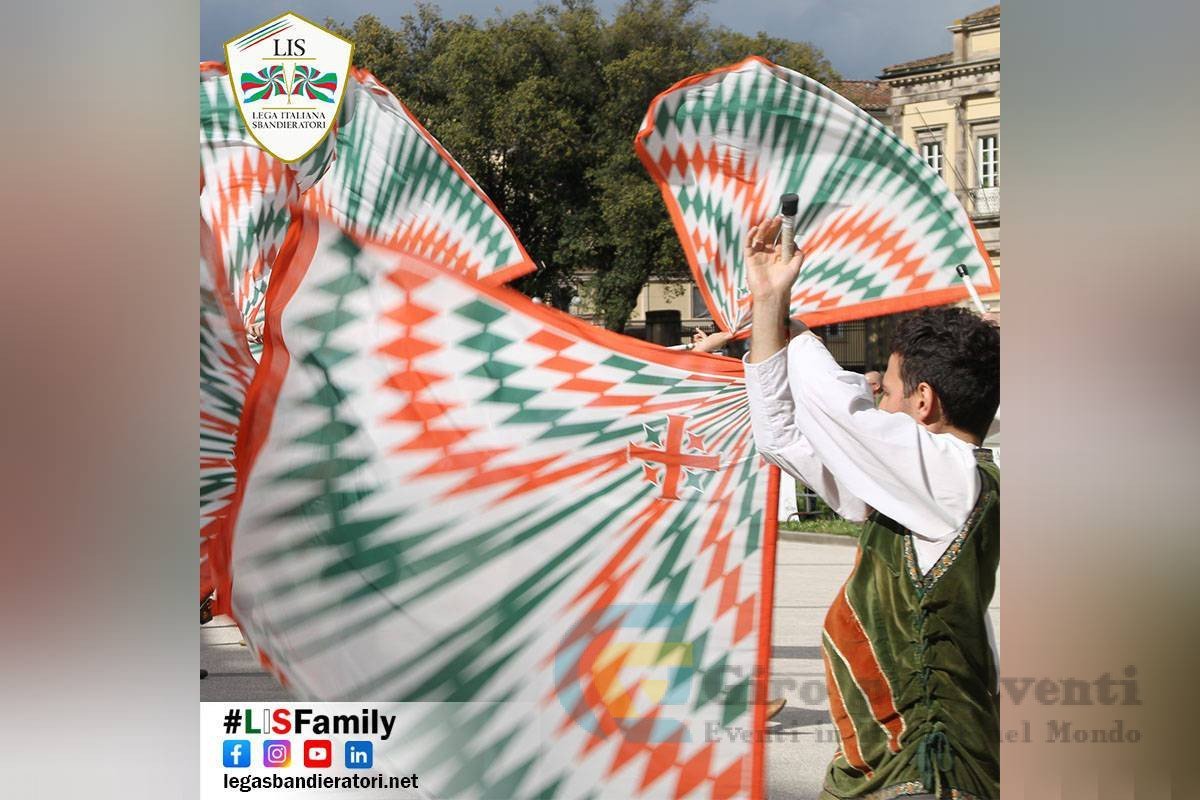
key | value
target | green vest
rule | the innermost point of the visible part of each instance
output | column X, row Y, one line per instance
column 911, row 677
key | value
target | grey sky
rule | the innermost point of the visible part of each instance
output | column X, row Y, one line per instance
column 860, row 37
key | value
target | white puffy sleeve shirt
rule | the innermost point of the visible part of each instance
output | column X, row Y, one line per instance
column 818, row 423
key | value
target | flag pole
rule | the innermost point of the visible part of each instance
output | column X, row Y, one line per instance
column 961, row 269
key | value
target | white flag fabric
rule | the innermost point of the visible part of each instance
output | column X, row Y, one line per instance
column 881, row 230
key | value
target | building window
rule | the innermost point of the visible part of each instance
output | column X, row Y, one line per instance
column 699, row 308
column 932, row 148
column 989, row 161
column 931, row 154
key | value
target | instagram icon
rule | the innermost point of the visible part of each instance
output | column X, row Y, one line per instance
column 277, row 753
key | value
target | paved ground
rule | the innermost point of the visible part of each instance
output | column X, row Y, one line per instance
column 233, row 671
column 807, row 577
column 803, row 740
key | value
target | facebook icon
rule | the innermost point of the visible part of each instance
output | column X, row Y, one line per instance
column 359, row 755
column 236, row 753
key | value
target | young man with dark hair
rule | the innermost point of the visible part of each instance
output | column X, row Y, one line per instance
column 909, row 665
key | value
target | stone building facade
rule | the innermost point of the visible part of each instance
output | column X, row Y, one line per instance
column 947, row 107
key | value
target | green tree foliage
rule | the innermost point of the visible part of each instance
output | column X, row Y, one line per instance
column 541, row 109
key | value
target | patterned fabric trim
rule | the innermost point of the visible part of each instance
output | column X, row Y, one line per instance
column 910, row 561
column 910, row 788
column 927, row 582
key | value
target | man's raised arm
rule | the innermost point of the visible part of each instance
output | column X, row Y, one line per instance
column 772, row 410
column 770, row 282
column 808, row 414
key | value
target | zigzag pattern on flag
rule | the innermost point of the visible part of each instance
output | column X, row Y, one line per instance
column 420, row 199
column 394, row 183
column 881, row 232
column 444, row 500
column 246, row 193
column 380, row 174
column 226, row 369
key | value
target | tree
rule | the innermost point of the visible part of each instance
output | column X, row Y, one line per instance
column 541, row 109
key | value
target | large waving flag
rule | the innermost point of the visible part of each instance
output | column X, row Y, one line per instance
column 226, row 369
column 881, row 231
column 380, row 174
column 246, row 193
column 393, row 182
column 452, row 495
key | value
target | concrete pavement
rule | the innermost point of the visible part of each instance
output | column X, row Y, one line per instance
column 807, row 577
column 233, row 671
column 802, row 738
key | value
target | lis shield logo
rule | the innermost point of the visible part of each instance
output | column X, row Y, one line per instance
column 289, row 77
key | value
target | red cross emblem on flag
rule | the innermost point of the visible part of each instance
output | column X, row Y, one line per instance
column 672, row 461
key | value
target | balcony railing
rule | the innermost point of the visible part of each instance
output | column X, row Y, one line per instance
column 985, row 202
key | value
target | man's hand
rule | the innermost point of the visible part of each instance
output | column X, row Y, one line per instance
column 710, row 342
column 767, row 276
column 770, row 281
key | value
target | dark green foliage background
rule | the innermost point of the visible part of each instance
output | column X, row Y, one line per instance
column 541, row 109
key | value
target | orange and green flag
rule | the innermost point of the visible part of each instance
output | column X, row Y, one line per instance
column 881, row 231
column 551, row 538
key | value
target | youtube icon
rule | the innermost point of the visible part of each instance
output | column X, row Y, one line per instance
column 318, row 753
